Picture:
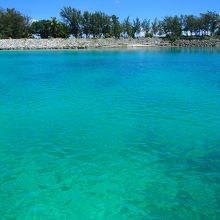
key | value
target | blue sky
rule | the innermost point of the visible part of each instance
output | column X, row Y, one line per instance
column 39, row 9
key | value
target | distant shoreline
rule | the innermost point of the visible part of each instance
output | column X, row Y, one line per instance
column 66, row 44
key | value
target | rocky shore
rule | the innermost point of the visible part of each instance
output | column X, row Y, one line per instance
column 47, row 44
column 196, row 43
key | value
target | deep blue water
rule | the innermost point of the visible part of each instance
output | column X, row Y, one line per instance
column 110, row 135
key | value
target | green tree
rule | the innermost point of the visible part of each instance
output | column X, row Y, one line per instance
column 116, row 27
column 100, row 25
column 73, row 19
column 209, row 22
column 96, row 28
column 13, row 24
column 57, row 29
column 86, row 23
column 146, row 27
column 155, row 26
column 214, row 22
column 106, row 25
column 127, row 27
column 50, row 28
column 136, row 27
column 204, row 23
column 41, row 28
column 171, row 26
column 191, row 24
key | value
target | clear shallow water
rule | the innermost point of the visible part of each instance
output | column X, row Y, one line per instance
column 110, row 135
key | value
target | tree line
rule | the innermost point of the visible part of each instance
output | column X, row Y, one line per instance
column 78, row 24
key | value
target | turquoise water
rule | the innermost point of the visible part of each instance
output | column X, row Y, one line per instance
column 110, row 135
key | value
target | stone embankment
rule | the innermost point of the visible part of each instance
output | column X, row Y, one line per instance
column 197, row 43
column 50, row 44
column 32, row 44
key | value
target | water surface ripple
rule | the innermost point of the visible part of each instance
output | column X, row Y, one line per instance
column 110, row 135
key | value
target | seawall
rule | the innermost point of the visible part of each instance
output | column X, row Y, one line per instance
column 47, row 44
